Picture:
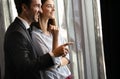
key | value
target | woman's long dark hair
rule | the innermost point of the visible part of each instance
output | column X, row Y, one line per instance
column 35, row 24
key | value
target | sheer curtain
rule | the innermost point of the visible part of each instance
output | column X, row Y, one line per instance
column 82, row 22
column 71, row 25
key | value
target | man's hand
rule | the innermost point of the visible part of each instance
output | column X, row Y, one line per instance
column 61, row 50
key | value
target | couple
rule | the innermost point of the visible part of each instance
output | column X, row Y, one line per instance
column 41, row 55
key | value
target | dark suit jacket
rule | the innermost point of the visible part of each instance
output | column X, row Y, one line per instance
column 21, row 61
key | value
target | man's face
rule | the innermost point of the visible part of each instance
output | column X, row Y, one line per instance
column 34, row 11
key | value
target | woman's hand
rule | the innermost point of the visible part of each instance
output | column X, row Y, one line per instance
column 64, row 61
column 54, row 30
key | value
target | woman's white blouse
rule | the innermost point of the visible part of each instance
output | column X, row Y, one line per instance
column 43, row 44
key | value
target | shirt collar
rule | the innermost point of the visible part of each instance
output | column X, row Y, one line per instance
column 36, row 29
column 24, row 22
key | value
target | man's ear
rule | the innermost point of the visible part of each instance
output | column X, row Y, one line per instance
column 24, row 7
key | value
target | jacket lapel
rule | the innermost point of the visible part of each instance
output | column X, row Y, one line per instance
column 26, row 34
column 24, row 31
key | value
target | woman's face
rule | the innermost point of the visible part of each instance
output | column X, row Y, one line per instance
column 48, row 9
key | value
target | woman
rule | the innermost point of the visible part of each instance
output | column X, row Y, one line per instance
column 46, row 37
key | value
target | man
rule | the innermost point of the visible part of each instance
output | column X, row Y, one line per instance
column 21, row 60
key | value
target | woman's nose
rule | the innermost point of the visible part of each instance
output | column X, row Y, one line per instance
column 53, row 8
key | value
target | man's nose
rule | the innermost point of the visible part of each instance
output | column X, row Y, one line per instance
column 41, row 11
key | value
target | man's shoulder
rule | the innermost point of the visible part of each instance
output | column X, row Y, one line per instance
column 16, row 25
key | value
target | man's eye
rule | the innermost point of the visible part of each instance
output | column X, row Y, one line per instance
column 38, row 6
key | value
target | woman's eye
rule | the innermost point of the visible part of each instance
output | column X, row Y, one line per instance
column 49, row 6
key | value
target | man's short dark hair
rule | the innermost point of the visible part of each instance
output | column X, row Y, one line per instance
column 18, row 4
